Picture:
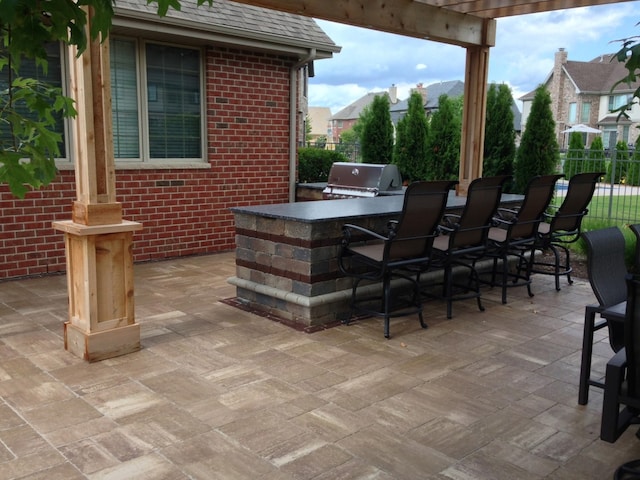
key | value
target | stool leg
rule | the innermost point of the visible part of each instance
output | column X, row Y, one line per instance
column 587, row 350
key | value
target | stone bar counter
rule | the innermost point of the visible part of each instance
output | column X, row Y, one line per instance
column 287, row 254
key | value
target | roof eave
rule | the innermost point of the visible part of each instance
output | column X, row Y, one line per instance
column 150, row 22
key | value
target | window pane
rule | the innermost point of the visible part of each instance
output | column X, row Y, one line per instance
column 572, row 112
column 124, row 99
column 53, row 77
column 586, row 113
column 173, row 83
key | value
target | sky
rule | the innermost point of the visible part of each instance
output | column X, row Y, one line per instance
column 372, row 61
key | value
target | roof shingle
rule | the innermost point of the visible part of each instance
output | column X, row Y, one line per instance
column 240, row 19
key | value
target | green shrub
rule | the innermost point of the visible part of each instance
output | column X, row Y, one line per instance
column 633, row 170
column 538, row 152
column 597, row 224
column 575, row 156
column 314, row 164
column 410, row 153
column 596, row 159
column 622, row 158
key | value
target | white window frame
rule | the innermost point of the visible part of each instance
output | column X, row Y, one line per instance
column 145, row 159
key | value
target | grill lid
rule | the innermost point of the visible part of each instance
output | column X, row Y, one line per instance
column 362, row 179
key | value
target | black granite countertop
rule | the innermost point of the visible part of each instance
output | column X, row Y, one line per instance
column 324, row 210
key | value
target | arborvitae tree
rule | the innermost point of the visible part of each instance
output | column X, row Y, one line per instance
column 574, row 163
column 350, row 145
column 617, row 167
column 363, row 118
column 410, row 153
column 377, row 133
column 538, row 152
column 597, row 161
column 500, row 136
column 443, row 162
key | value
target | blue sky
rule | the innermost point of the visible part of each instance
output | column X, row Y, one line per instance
column 372, row 61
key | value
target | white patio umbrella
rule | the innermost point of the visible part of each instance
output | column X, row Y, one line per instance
column 580, row 127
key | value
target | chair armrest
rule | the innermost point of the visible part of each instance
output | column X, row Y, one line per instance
column 619, row 360
column 348, row 229
column 500, row 222
column 451, row 221
column 504, row 217
column 501, row 212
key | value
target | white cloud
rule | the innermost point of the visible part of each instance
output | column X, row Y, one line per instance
column 522, row 58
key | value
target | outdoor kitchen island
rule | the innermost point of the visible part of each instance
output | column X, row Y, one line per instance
column 287, row 254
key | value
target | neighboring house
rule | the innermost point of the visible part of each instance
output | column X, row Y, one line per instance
column 320, row 123
column 346, row 118
column 581, row 93
column 431, row 96
column 208, row 105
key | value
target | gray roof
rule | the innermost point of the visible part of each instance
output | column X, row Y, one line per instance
column 229, row 20
column 451, row 88
column 597, row 76
column 352, row 111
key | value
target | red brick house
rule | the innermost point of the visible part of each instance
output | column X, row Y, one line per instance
column 208, row 107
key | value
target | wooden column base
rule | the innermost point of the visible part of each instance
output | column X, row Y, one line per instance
column 94, row 347
column 100, row 282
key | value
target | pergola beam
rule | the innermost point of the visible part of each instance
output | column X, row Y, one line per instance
column 508, row 8
column 402, row 17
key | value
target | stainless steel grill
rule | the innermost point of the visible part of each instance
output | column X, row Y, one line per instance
column 354, row 180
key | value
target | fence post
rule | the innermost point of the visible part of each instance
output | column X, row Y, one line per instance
column 613, row 178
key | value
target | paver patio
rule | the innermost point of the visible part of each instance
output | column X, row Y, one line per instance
column 220, row 393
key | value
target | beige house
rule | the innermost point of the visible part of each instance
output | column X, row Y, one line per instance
column 587, row 93
column 319, row 119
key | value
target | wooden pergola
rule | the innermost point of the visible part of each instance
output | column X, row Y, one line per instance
column 467, row 23
column 99, row 241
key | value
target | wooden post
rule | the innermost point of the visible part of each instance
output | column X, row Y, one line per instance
column 473, row 116
column 98, row 241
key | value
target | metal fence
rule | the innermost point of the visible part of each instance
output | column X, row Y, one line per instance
column 349, row 150
column 616, row 200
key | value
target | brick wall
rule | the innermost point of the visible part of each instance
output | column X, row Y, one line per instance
column 183, row 211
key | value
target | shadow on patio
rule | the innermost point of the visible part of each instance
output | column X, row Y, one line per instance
column 220, row 393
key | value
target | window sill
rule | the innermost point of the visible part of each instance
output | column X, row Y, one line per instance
column 147, row 166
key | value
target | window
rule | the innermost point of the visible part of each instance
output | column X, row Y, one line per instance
column 585, row 115
column 159, row 117
column 53, row 77
column 124, row 100
column 617, row 101
column 572, row 112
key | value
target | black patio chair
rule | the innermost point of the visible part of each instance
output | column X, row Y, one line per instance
column 563, row 227
column 607, row 269
column 463, row 240
column 515, row 234
column 367, row 255
column 621, row 402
